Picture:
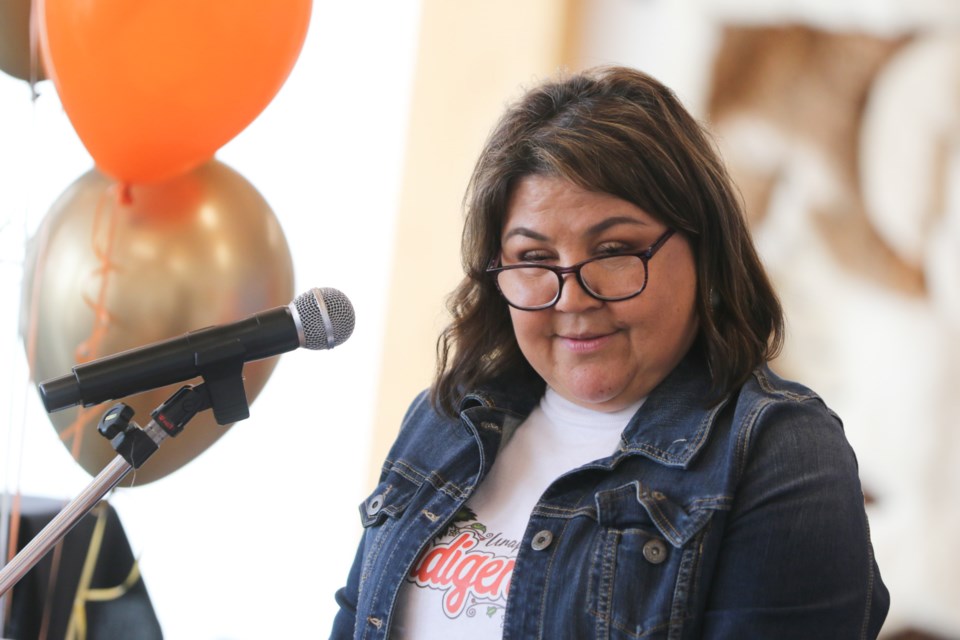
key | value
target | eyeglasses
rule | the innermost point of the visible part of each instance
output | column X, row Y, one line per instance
column 622, row 276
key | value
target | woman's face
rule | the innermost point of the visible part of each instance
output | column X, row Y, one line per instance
column 600, row 355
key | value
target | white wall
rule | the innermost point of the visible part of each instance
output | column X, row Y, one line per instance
column 251, row 539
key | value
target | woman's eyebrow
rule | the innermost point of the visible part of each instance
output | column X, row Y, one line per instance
column 596, row 229
column 614, row 221
column 526, row 233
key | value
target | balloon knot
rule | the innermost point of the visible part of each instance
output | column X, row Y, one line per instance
column 125, row 194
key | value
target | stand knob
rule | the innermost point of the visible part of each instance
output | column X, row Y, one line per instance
column 115, row 421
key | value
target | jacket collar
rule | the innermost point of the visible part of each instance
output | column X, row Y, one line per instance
column 674, row 422
column 514, row 394
column 670, row 427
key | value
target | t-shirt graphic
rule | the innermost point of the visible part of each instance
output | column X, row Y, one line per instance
column 458, row 586
column 470, row 566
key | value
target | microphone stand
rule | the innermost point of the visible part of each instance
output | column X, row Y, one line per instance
column 133, row 445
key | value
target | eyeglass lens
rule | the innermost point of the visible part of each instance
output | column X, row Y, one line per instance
column 608, row 278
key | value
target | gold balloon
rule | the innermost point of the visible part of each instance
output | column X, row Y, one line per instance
column 17, row 57
column 111, row 271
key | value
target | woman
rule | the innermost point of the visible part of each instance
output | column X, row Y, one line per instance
column 604, row 452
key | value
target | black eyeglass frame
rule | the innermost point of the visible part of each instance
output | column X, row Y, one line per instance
column 645, row 256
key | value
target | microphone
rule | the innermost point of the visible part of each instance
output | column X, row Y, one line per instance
column 321, row 318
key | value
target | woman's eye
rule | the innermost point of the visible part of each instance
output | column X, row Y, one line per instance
column 534, row 256
column 614, row 248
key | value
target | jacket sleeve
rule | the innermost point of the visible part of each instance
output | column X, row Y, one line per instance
column 795, row 559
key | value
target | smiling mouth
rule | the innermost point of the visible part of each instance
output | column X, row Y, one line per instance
column 585, row 343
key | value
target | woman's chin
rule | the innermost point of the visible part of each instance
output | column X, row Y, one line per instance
column 597, row 397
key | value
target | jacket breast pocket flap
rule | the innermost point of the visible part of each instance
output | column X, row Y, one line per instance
column 388, row 500
column 636, row 506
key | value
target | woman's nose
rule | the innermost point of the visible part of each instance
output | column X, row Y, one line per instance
column 574, row 298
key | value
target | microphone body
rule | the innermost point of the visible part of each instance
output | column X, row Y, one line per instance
column 259, row 336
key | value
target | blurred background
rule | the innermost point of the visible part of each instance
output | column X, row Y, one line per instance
column 839, row 119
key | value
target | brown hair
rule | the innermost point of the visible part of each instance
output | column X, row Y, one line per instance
column 617, row 131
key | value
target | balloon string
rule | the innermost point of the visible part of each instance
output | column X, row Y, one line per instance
column 33, row 29
column 75, row 430
column 102, row 250
column 11, row 503
column 101, row 241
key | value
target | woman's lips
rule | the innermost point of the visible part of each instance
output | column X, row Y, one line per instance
column 586, row 343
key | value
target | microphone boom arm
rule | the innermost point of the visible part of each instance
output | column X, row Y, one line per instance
column 134, row 445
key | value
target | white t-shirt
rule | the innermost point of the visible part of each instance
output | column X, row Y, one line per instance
column 458, row 587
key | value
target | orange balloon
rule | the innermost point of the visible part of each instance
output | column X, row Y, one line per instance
column 155, row 87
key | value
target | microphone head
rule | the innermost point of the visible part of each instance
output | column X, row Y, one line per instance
column 324, row 318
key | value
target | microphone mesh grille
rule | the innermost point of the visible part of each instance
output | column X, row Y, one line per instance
column 338, row 312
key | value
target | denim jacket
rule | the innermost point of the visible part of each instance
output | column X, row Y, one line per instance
column 742, row 520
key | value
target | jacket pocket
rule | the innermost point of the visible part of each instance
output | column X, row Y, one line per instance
column 381, row 513
column 644, row 561
column 388, row 501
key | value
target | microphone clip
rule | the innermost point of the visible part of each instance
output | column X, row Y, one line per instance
column 136, row 444
column 222, row 390
column 221, row 368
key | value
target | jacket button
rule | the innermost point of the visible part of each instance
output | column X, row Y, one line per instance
column 542, row 540
column 375, row 504
column 654, row 551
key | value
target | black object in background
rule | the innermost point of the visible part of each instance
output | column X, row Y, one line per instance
column 129, row 616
